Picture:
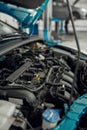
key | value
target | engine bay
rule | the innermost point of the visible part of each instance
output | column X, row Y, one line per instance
column 35, row 77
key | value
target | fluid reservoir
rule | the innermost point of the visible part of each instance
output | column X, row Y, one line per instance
column 50, row 119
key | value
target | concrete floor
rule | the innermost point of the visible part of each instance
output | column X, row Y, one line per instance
column 81, row 3
column 69, row 40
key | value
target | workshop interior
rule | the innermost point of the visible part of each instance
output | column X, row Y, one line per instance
column 43, row 64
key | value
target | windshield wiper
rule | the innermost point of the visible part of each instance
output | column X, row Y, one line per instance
column 12, row 36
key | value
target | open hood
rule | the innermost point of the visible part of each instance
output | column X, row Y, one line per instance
column 30, row 4
column 25, row 17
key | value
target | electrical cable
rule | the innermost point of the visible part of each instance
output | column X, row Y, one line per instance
column 28, row 123
column 18, row 86
column 78, row 47
column 20, row 116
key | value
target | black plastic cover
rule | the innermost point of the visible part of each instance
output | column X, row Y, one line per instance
column 30, row 4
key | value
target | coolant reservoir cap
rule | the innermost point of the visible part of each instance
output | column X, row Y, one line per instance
column 51, row 115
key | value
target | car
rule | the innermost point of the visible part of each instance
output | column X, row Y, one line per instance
column 36, row 90
column 60, row 11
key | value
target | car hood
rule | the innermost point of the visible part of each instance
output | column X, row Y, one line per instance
column 30, row 4
column 23, row 14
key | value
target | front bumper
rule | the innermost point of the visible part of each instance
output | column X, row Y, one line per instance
column 83, row 15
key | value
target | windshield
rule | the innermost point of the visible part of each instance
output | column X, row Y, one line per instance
column 5, row 29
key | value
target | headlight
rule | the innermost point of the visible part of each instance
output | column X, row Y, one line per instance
column 84, row 10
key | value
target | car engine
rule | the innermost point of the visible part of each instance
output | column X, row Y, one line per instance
column 35, row 77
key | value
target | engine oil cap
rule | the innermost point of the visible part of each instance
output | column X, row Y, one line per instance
column 51, row 115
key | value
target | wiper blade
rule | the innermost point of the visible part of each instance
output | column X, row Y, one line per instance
column 4, row 37
column 9, row 35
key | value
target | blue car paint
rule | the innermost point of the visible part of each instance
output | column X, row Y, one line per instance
column 77, row 110
column 49, row 42
column 26, row 18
